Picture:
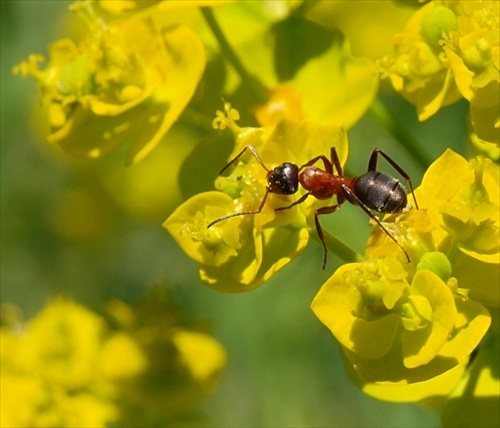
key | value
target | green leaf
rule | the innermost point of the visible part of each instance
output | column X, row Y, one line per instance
column 297, row 40
column 475, row 403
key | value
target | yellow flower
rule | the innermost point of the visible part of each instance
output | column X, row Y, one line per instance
column 127, row 82
column 417, row 70
column 400, row 330
column 451, row 49
column 422, row 319
column 473, row 53
column 464, row 199
column 459, row 217
column 240, row 253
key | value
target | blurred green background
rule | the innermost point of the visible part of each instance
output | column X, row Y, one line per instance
column 284, row 367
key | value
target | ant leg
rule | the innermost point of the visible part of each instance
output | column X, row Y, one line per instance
column 257, row 211
column 372, row 166
column 327, row 164
column 319, row 230
column 336, row 161
column 297, row 202
column 374, row 217
column 254, row 153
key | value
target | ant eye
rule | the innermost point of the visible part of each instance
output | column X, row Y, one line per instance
column 284, row 179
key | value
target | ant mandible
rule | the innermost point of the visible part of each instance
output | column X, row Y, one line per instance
column 373, row 190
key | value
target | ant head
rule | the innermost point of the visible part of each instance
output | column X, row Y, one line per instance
column 284, row 179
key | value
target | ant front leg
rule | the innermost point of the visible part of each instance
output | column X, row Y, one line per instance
column 372, row 166
column 252, row 150
column 297, row 202
column 319, row 229
column 326, row 163
column 336, row 161
column 228, row 216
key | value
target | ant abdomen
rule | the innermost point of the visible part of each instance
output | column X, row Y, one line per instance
column 381, row 192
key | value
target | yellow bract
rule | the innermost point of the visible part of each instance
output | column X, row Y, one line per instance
column 429, row 331
column 464, row 199
column 417, row 70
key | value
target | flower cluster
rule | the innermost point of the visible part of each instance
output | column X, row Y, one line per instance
column 408, row 330
column 126, row 83
column 450, row 49
column 69, row 367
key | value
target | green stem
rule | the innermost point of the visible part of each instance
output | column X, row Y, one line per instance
column 382, row 115
column 305, row 7
column 198, row 119
column 346, row 253
column 250, row 82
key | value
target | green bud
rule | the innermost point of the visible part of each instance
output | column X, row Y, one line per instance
column 76, row 77
column 434, row 23
column 477, row 56
column 436, row 262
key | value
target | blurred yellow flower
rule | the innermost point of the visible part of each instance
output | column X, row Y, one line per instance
column 69, row 368
column 119, row 7
column 49, row 365
column 181, row 365
column 127, row 82
column 318, row 79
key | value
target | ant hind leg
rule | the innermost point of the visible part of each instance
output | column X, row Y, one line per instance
column 319, row 229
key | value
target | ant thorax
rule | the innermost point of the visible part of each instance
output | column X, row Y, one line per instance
column 321, row 184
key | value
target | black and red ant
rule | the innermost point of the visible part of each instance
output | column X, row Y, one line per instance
column 373, row 190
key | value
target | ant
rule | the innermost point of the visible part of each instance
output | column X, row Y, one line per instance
column 372, row 190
